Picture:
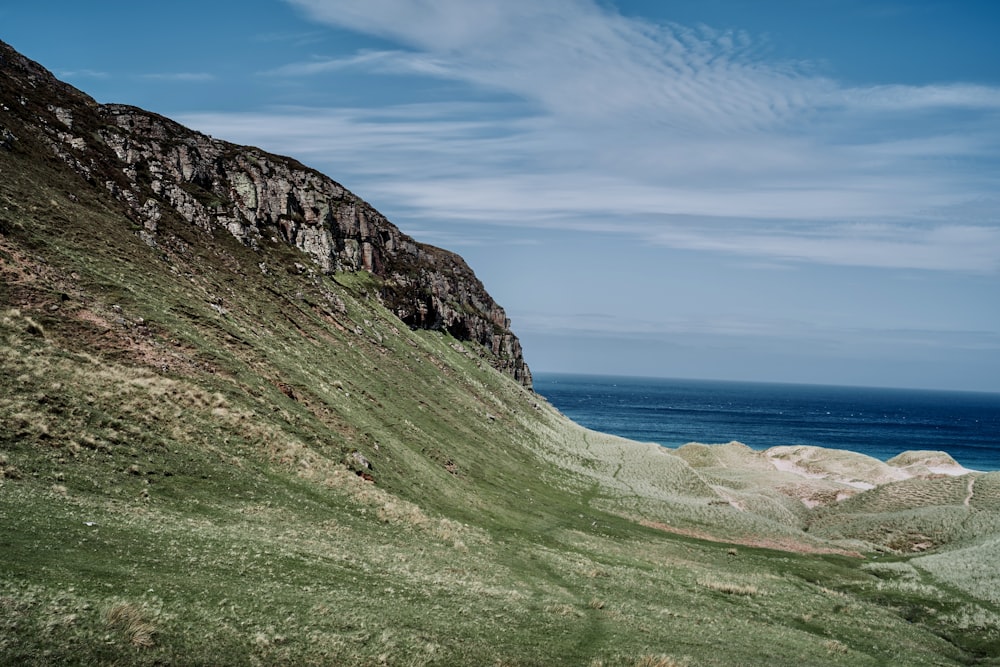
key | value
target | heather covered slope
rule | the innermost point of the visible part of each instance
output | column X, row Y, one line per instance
column 215, row 451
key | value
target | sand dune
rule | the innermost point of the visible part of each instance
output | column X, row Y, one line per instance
column 810, row 462
column 813, row 475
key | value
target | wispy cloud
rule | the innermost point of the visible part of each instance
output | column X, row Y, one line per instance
column 385, row 62
column 180, row 76
column 298, row 38
column 901, row 246
column 764, row 328
column 82, row 74
column 923, row 98
column 690, row 138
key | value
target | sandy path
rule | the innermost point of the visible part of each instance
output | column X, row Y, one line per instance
column 971, row 490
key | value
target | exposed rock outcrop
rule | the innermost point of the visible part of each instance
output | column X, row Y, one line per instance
column 154, row 167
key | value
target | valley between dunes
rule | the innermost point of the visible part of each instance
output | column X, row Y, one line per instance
column 219, row 448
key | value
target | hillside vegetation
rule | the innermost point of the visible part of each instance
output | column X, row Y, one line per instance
column 215, row 452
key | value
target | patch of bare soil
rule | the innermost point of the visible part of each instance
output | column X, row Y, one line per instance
column 776, row 543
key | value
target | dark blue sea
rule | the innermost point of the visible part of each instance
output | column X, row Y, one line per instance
column 877, row 422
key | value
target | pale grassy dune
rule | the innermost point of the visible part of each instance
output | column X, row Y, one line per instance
column 799, row 496
column 812, row 464
column 925, row 463
column 721, row 492
column 813, row 475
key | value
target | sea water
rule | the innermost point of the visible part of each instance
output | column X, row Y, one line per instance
column 878, row 422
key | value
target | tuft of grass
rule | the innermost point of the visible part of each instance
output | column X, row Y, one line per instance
column 131, row 622
column 833, row 647
column 659, row 661
column 34, row 328
column 563, row 610
column 729, row 588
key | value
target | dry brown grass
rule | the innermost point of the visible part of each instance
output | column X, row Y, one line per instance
column 729, row 588
column 131, row 622
column 659, row 661
column 834, row 647
column 778, row 543
column 563, row 610
column 7, row 469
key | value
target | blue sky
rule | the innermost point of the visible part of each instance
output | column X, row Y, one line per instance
column 770, row 190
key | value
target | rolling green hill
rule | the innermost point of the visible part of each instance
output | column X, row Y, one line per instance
column 244, row 420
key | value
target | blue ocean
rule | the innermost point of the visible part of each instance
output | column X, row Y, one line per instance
column 878, row 422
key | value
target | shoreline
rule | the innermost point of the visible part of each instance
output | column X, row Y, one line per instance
column 882, row 424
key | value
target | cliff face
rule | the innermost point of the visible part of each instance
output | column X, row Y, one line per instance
column 154, row 167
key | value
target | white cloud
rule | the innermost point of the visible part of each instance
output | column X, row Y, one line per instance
column 83, row 73
column 447, row 25
column 386, row 62
column 900, row 246
column 924, row 98
column 689, row 138
column 861, row 206
column 579, row 61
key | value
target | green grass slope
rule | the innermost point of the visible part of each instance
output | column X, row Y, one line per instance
column 218, row 455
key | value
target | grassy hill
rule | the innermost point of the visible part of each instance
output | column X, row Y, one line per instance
column 215, row 452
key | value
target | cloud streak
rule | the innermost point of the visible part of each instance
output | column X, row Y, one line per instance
column 384, row 62
column 690, row 138
column 197, row 77
column 786, row 330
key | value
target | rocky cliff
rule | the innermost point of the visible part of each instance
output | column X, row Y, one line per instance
column 155, row 167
